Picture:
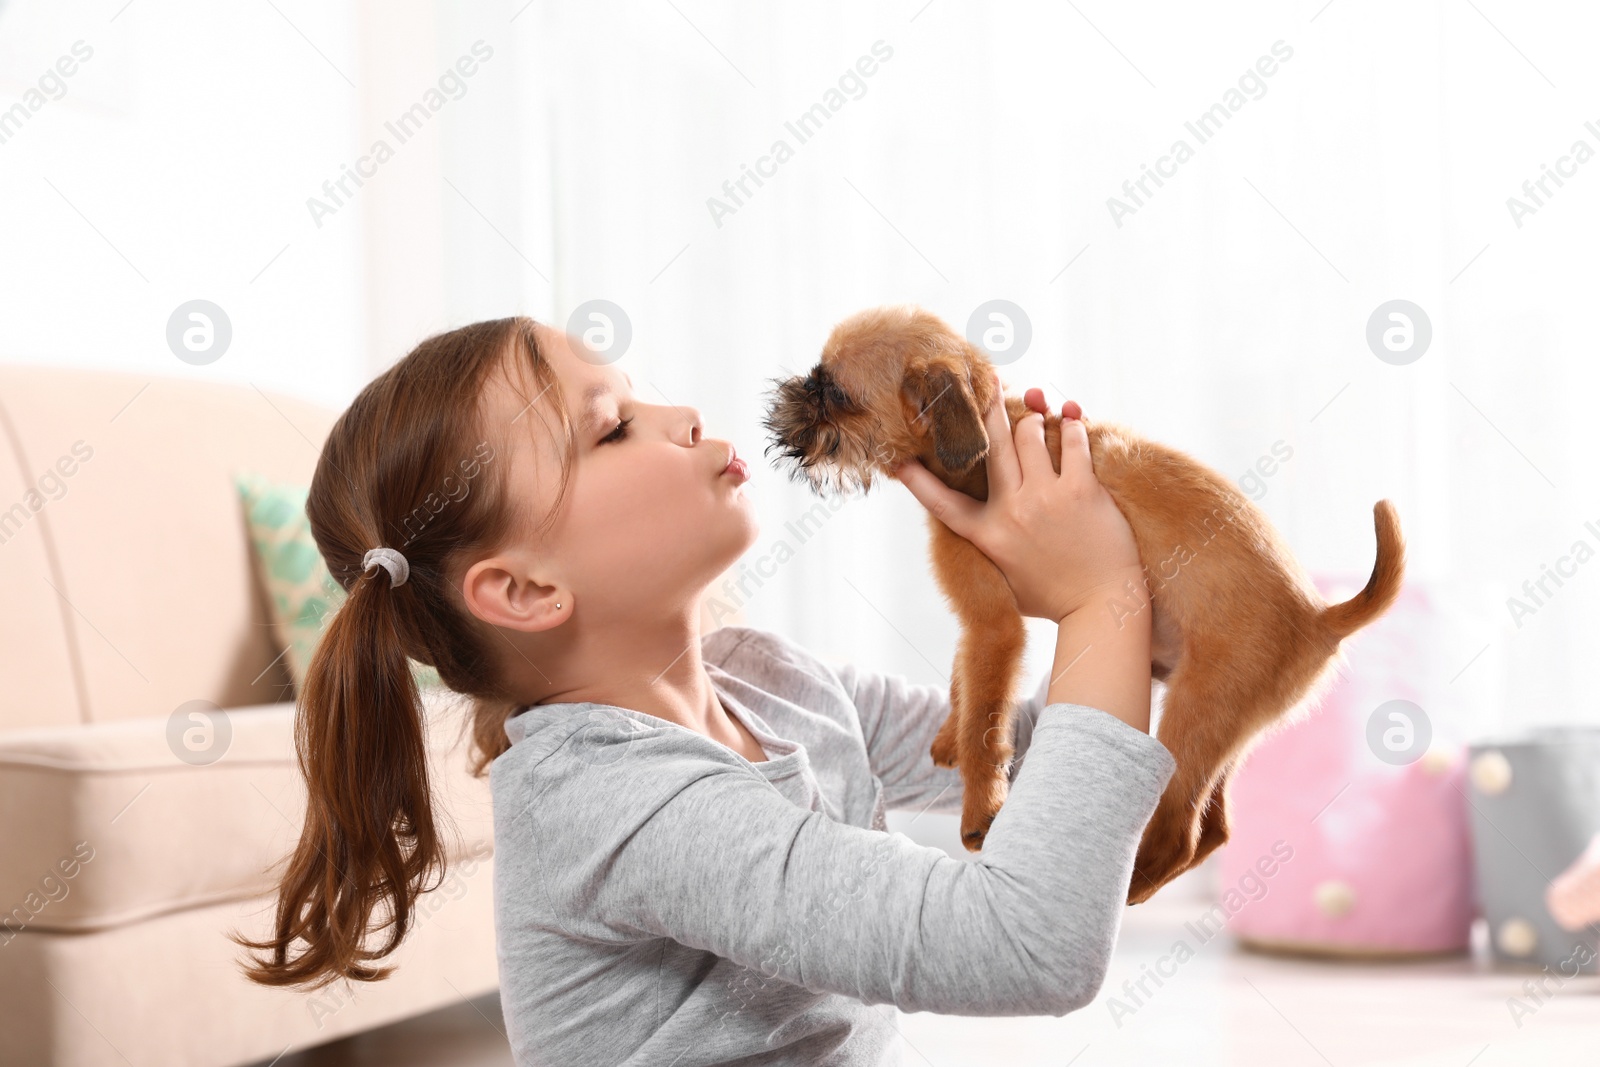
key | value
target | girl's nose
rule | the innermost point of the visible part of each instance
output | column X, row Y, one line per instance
column 691, row 416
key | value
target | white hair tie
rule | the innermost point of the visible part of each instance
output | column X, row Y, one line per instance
column 391, row 561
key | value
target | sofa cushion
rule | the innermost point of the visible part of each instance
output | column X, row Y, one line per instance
column 107, row 824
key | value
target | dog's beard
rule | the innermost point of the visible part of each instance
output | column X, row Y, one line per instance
column 811, row 445
column 825, row 471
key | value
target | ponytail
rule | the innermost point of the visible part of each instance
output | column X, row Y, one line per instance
column 369, row 836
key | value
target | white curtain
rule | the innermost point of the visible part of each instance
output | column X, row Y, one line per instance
column 1226, row 313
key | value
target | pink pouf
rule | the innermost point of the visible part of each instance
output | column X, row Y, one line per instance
column 1339, row 845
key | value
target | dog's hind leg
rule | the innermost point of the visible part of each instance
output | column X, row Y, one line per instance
column 1205, row 723
column 1300, row 684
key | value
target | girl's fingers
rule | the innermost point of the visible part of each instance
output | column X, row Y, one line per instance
column 1032, row 453
column 956, row 510
column 1034, row 399
column 1076, row 466
column 1004, row 473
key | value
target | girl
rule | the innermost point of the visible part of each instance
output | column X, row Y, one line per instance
column 690, row 858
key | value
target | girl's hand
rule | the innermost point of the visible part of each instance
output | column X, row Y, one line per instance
column 1059, row 539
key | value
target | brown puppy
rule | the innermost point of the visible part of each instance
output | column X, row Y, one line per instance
column 1239, row 634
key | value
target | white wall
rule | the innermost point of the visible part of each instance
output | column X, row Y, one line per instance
column 189, row 141
column 1228, row 313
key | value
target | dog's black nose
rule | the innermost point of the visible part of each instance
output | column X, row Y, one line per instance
column 823, row 392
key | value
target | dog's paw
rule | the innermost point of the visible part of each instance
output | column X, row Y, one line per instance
column 1144, row 883
column 944, row 748
column 1167, row 850
column 981, row 802
column 1150, row 873
column 972, row 837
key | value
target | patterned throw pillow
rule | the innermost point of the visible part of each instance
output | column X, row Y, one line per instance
column 299, row 587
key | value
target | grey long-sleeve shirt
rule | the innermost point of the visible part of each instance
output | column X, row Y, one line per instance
column 659, row 899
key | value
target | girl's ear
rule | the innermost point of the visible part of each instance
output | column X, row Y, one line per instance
column 504, row 591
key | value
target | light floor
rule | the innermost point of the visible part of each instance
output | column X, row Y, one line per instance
column 1225, row 1005
column 1228, row 1005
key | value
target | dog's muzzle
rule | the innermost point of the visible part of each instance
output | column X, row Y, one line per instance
column 800, row 418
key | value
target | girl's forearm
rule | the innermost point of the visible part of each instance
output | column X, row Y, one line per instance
column 1103, row 654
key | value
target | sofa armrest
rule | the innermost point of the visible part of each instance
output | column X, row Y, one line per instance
column 106, row 824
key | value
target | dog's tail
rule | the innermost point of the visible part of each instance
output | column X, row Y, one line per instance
column 1342, row 620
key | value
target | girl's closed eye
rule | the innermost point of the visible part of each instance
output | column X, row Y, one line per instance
column 619, row 433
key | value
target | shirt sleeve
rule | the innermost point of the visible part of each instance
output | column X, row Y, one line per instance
column 704, row 850
column 899, row 721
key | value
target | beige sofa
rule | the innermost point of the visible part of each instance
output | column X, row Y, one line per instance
column 128, row 590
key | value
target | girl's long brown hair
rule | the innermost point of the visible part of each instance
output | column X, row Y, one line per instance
column 387, row 476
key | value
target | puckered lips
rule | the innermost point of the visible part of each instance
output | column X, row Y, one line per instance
column 736, row 467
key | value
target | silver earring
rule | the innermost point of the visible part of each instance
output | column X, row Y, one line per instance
column 558, row 607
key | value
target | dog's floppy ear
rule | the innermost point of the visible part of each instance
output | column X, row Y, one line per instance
column 946, row 409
